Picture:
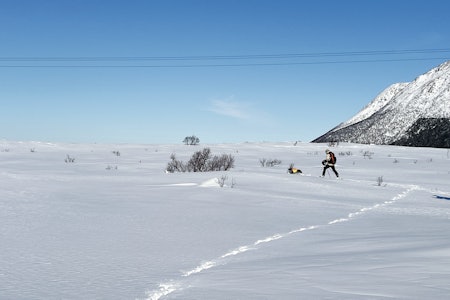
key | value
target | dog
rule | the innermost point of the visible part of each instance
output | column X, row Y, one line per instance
column 293, row 170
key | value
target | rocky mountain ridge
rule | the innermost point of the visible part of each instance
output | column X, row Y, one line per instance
column 397, row 113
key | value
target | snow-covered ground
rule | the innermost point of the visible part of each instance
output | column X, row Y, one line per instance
column 110, row 226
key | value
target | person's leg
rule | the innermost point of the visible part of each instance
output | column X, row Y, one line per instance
column 334, row 170
column 324, row 169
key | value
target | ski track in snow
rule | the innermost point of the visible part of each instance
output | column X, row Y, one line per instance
column 169, row 287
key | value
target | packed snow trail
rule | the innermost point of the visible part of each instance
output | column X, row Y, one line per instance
column 172, row 286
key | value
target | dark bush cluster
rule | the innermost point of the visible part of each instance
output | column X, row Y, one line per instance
column 191, row 140
column 201, row 161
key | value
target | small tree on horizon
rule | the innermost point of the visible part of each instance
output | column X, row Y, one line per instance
column 191, row 140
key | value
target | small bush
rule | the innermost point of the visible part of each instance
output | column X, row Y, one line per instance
column 333, row 143
column 262, row 161
column 368, row 154
column 269, row 162
column 69, row 159
column 220, row 163
column 175, row 165
column 221, row 180
column 348, row 153
column 201, row 161
column 315, row 153
column 380, row 180
column 191, row 140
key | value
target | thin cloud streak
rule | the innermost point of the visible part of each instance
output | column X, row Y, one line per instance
column 230, row 109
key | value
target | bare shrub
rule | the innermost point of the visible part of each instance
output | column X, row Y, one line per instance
column 315, row 153
column 273, row 162
column 368, row 154
column 69, row 159
column 348, row 153
column 262, row 161
column 198, row 161
column 175, row 165
column 380, row 180
column 269, row 162
column 201, row 161
column 221, row 180
column 221, row 163
column 333, row 143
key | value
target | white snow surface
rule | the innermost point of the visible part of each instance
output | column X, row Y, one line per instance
column 111, row 226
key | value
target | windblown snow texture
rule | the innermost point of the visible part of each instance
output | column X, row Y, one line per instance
column 395, row 115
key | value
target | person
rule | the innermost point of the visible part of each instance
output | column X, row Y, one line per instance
column 329, row 162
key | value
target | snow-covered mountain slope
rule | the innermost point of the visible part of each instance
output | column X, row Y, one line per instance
column 392, row 113
column 375, row 105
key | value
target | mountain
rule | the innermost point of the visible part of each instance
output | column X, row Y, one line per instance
column 427, row 132
column 412, row 114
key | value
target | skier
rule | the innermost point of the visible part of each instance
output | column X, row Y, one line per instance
column 329, row 162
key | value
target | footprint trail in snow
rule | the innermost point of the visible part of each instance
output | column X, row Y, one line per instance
column 172, row 286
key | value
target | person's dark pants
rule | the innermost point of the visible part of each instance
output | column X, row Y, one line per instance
column 332, row 168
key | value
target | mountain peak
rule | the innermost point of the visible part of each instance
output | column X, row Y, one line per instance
column 389, row 116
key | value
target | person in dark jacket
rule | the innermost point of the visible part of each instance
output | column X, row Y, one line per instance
column 329, row 162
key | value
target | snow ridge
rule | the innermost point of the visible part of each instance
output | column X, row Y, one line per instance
column 170, row 287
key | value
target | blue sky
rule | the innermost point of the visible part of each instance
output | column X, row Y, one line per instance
column 143, row 71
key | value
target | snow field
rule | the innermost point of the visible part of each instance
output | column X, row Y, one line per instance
column 83, row 231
